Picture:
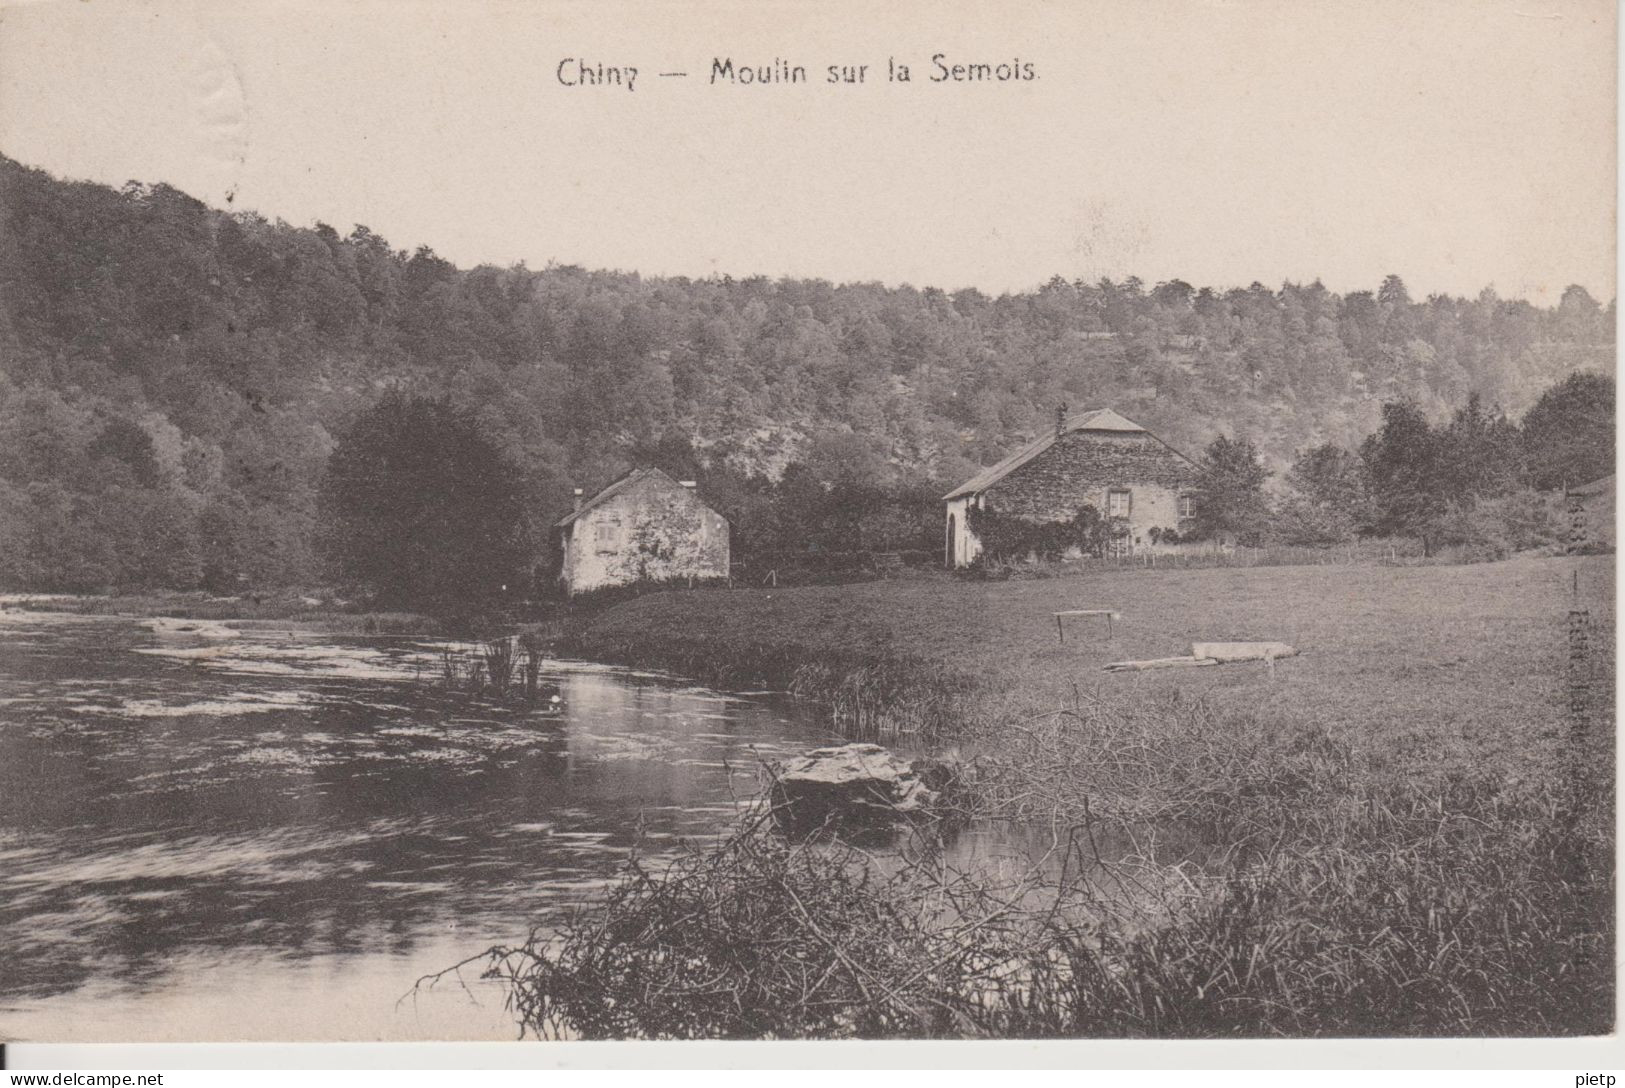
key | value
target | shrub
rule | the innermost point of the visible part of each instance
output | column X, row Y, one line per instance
column 1499, row 527
column 595, row 600
column 762, row 938
column 1301, row 522
column 1007, row 537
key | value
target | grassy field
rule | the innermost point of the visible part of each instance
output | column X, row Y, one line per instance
column 1454, row 662
column 1407, row 830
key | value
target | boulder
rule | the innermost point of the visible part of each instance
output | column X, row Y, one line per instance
column 855, row 785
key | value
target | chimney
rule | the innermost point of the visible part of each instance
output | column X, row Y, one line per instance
column 577, row 506
column 690, row 484
column 1060, row 419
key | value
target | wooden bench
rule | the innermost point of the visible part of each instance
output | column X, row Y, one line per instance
column 1110, row 615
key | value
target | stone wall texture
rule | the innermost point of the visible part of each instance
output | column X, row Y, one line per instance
column 1084, row 466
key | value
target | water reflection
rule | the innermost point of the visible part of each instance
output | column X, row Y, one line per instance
column 195, row 827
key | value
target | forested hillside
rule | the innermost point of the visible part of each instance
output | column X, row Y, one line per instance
column 175, row 377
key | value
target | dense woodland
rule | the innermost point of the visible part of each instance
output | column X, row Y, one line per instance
column 174, row 379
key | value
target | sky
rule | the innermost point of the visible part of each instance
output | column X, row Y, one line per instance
column 1459, row 143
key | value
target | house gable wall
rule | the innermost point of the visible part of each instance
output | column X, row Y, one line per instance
column 653, row 530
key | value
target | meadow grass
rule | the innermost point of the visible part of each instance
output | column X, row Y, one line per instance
column 1406, row 831
column 1460, row 663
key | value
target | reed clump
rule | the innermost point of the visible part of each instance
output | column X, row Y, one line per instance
column 500, row 669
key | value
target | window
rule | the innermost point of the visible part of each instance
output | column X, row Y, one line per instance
column 1118, row 504
column 606, row 535
column 1187, row 507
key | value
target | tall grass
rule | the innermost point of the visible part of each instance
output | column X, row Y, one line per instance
column 1317, row 893
column 887, row 698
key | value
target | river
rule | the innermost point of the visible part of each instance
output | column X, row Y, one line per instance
column 261, row 834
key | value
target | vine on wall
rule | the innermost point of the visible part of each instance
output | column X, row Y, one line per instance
column 1005, row 537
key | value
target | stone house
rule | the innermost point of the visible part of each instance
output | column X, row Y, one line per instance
column 645, row 526
column 1096, row 458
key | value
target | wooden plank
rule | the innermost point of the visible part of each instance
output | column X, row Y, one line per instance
column 1161, row 663
column 1242, row 651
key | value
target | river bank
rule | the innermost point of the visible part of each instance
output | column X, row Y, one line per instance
column 288, row 611
column 1407, row 830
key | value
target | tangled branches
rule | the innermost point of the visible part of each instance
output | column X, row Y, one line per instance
column 761, row 937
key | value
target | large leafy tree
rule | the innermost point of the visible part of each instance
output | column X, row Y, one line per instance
column 1480, row 454
column 1568, row 436
column 1409, row 489
column 1327, row 501
column 1231, row 481
column 423, row 509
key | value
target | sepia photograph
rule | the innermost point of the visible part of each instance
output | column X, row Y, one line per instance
column 542, row 522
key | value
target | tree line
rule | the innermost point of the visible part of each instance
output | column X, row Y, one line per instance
column 175, row 380
column 1478, row 478
column 421, row 507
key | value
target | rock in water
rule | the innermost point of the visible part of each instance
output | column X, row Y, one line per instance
column 855, row 785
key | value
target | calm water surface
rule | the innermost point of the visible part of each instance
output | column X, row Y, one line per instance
column 213, row 834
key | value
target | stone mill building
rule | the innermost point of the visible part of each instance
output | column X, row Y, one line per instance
column 1095, row 458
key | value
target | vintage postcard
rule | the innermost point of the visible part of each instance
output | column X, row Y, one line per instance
column 533, row 520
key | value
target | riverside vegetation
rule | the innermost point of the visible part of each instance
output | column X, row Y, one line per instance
column 1406, row 831
column 501, row 668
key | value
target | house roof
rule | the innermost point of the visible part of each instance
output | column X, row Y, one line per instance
column 1100, row 419
column 1604, row 486
column 636, row 476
